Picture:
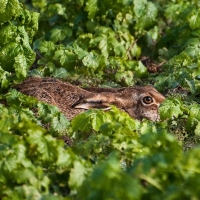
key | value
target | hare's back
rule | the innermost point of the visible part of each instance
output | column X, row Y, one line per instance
column 51, row 91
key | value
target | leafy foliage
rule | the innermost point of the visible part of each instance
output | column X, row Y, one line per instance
column 42, row 114
column 32, row 160
column 109, row 44
column 92, row 48
column 18, row 27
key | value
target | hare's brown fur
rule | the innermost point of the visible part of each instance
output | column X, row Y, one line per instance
column 72, row 100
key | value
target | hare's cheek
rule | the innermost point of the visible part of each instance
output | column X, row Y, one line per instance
column 150, row 113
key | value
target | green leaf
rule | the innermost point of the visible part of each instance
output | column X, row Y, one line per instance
column 91, row 8
column 60, row 73
column 110, row 176
column 60, row 33
column 191, row 85
column 124, row 76
column 9, row 9
column 197, row 129
column 91, row 60
column 80, row 122
column 194, row 20
column 170, row 108
column 145, row 12
column 44, row 46
column 7, row 34
column 77, row 175
column 20, row 66
column 192, row 48
column 8, row 54
column 140, row 70
column 66, row 58
column 4, row 78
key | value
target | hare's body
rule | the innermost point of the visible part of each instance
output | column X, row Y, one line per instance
column 138, row 102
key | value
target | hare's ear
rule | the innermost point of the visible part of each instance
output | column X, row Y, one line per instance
column 99, row 101
column 87, row 105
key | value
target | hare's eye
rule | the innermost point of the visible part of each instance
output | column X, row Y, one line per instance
column 147, row 100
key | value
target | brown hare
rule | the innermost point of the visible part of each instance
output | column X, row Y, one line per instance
column 138, row 102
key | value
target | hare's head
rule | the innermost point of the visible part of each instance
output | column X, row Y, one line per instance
column 138, row 102
column 148, row 102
